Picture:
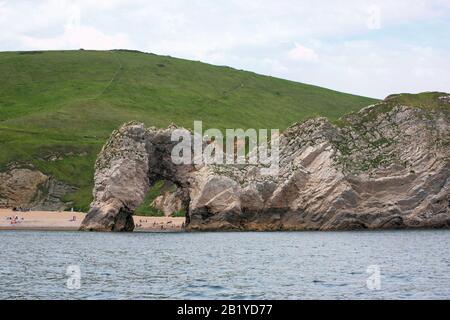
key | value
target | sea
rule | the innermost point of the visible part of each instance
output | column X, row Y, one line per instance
column 225, row 265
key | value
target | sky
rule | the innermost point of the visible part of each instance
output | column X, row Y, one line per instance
column 372, row 48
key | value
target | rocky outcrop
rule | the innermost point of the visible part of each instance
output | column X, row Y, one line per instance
column 170, row 199
column 31, row 189
column 132, row 160
column 387, row 166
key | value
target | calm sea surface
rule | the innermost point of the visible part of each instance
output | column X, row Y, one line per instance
column 289, row 265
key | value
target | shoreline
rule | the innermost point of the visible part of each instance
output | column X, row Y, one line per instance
column 63, row 221
column 71, row 221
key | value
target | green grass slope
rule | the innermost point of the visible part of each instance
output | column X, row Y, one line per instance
column 57, row 108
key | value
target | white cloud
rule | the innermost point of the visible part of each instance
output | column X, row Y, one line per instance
column 302, row 53
column 80, row 37
column 375, row 69
column 257, row 35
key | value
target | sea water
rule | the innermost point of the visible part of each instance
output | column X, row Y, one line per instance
column 225, row 265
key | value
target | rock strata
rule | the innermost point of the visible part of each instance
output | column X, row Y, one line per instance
column 386, row 166
column 32, row 189
column 170, row 200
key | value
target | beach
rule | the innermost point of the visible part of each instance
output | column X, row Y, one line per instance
column 71, row 221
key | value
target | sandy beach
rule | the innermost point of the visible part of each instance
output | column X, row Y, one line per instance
column 71, row 221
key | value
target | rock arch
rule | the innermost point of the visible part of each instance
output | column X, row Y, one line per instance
column 131, row 161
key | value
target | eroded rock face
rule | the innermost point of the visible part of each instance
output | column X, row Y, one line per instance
column 379, row 169
column 121, row 180
column 170, row 200
column 132, row 160
column 31, row 189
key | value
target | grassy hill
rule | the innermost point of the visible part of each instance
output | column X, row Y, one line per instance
column 57, row 108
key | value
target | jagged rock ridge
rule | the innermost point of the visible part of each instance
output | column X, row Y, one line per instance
column 387, row 166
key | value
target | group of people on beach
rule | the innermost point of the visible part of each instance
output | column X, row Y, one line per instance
column 15, row 219
column 160, row 225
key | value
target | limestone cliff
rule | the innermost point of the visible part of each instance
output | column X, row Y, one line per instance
column 386, row 166
column 29, row 188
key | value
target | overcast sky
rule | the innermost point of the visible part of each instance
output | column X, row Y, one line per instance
column 371, row 48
